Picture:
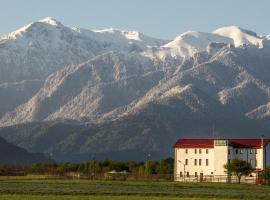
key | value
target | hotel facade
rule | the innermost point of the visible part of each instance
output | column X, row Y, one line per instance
column 200, row 158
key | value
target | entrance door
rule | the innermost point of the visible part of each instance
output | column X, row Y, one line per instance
column 201, row 177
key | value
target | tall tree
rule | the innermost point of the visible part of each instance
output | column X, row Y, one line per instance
column 238, row 168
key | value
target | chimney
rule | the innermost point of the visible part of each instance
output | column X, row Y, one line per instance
column 263, row 153
column 262, row 141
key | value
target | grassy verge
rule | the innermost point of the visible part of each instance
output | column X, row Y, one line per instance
column 40, row 188
column 72, row 197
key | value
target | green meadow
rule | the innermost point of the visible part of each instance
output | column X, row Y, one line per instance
column 39, row 188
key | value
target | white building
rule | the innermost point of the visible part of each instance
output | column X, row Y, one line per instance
column 207, row 157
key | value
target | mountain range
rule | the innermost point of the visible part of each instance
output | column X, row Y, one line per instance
column 10, row 154
column 77, row 94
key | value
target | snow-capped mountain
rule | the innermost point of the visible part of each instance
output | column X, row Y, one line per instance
column 42, row 47
column 124, row 86
column 240, row 36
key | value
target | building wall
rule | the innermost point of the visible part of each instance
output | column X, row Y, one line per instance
column 220, row 159
column 247, row 154
column 217, row 158
column 191, row 168
column 267, row 155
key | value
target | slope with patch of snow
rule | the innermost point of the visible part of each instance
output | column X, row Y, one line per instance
column 45, row 46
column 191, row 42
column 240, row 36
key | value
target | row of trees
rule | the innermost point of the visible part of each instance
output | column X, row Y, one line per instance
column 236, row 167
column 164, row 166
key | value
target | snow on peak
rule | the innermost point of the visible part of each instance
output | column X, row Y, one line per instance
column 240, row 36
column 132, row 35
column 129, row 35
column 50, row 21
column 191, row 42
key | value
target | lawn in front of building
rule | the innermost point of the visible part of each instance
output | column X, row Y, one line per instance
column 30, row 188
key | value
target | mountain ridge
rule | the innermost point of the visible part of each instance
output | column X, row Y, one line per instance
column 121, row 91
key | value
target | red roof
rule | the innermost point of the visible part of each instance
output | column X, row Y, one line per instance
column 209, row 143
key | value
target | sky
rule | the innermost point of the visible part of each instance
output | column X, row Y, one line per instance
column 158, row 18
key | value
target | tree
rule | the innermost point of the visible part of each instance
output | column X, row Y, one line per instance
column 239, row 168
column 165, row 166
column 150, row 167
column 265, row 174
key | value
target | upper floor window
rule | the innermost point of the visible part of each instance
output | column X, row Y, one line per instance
column 229, row 151
column 200, row 162
column 186, row 151
column 255, row 151
column 236, row 151
column 200, row 151
column 196, row 174
column 251, row 162
column 195, row 151
column 251, row 151
column 186, row 162
column 241, row 151
column 206, row 162
column 256, row 164
column 206, row 151
column 195, row 161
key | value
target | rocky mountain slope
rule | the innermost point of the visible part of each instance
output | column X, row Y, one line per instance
column 12, row 155
column 115, row 93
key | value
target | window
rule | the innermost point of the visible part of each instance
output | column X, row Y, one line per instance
column 196, row 174
column 255, row 151
column 195, row 151
column 186, row 162
column 212, row 172
column 236, row 151
column 186, row 151
column 206, row 151
column 200, row 151
column 251, row 151
column 256, row 163
column 206, row 162
column 229, row 151
column 187, row 174
column 241, row 151
column 200, row 162
column 251, row 161
column 195, row 161
column 181, row 174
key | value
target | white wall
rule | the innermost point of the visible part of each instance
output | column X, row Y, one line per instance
column 217, row 158
column 220, row 159
column 191, row 156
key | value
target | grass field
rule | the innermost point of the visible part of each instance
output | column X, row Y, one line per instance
column 37, row 188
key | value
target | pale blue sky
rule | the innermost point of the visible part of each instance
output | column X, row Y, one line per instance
column 158, row 18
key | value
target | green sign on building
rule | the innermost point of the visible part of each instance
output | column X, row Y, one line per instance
column 221, row 142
